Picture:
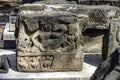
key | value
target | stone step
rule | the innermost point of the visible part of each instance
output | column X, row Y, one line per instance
column 8, row 35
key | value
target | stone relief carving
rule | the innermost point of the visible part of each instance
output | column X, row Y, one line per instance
column 46, row 62
column 60, row 34
column 40, row 40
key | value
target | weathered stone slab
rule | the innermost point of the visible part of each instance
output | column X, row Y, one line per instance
column 114, row 35
column 50, row 41
column 80, row 2
column 99, row 16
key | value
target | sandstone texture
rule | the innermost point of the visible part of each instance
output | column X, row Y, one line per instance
column 53, row 37
column 98, row 18
column 49, row 42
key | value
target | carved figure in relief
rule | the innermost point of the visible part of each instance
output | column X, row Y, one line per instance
column 24, row 46
column 31, row 43
column 33, row 28
column 34, row 63
column 46, row 61
column 34, row 39
column 47, row 38
column 24, row 41
column 23, row 63
column 42, row 36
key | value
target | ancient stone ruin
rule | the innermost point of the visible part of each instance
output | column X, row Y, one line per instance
column 51, row 37
column 49, row 42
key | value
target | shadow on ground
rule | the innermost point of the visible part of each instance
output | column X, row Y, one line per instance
column 93, row 59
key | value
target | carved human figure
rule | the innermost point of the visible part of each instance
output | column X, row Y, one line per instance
column 24, row 43
column 47, row 38
column 35, row 41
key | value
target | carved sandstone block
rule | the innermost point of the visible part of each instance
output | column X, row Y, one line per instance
column 49, row 42
column 98, row 18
